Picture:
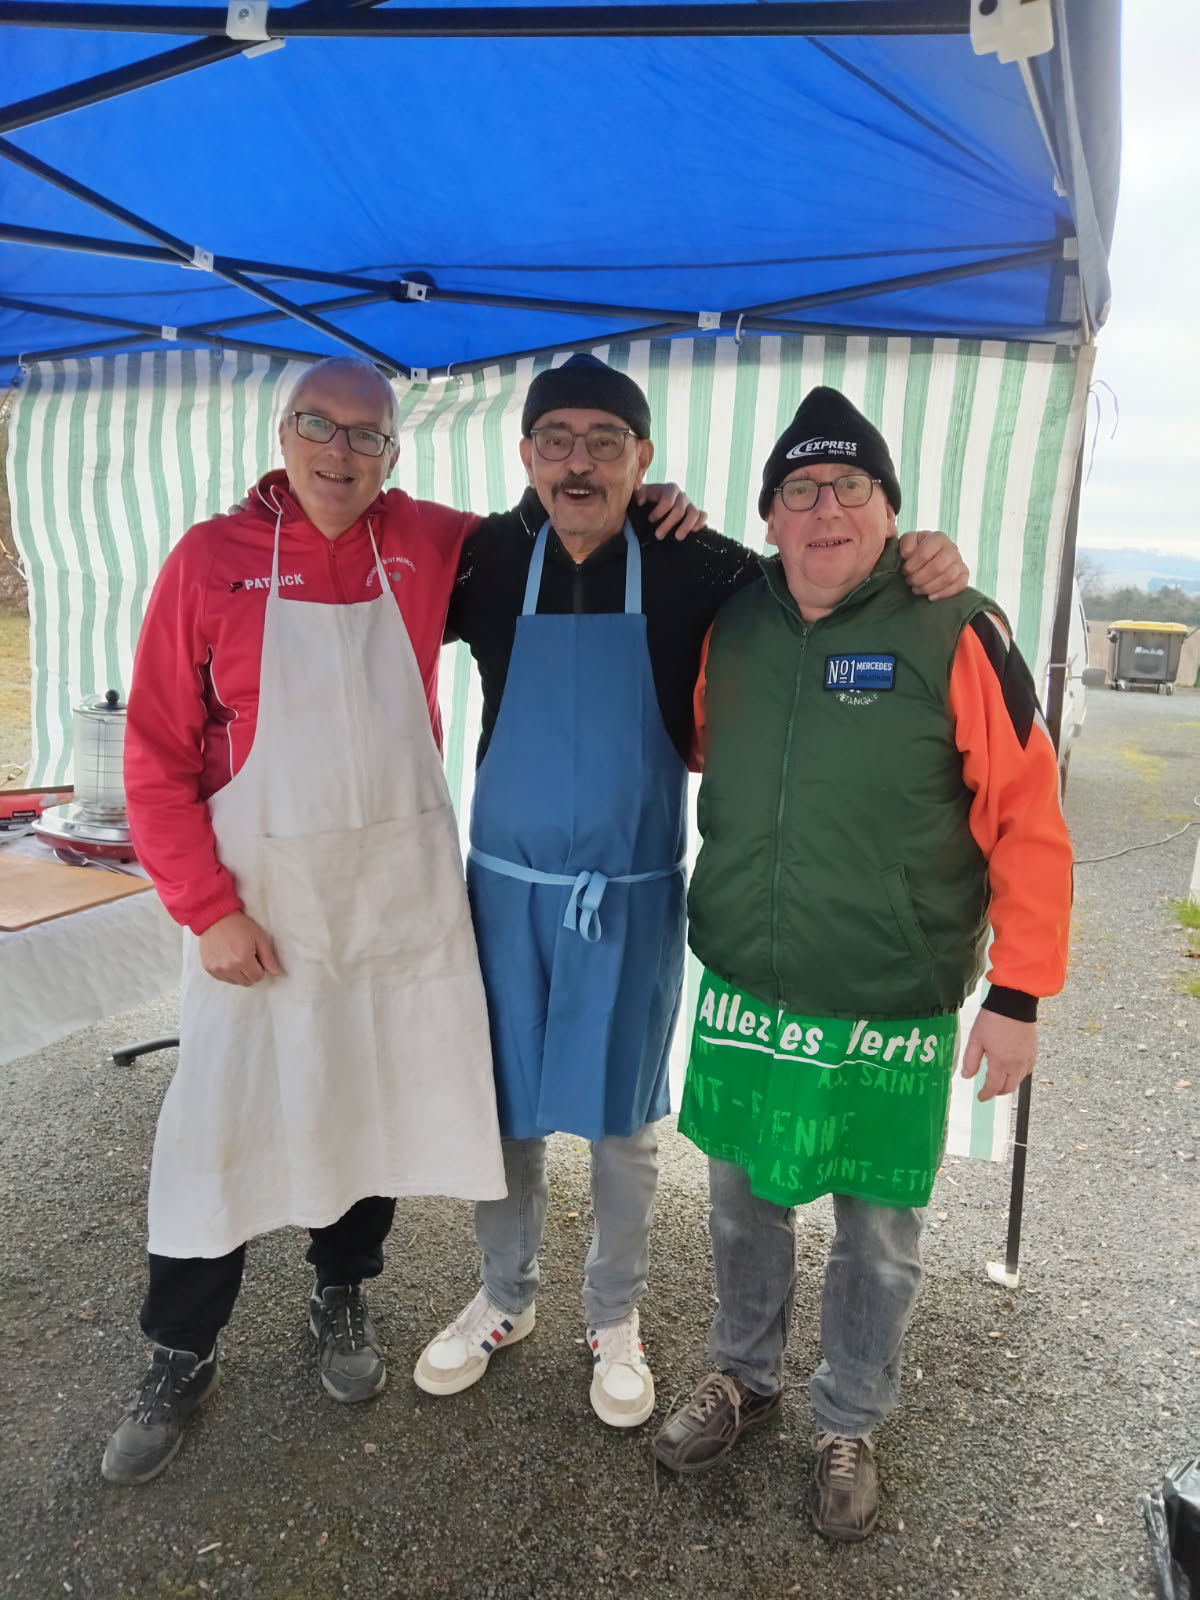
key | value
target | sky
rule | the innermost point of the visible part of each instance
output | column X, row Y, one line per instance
column 1144, row 487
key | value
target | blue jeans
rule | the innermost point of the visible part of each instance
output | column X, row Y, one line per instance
column 509, row 1231
column 871, row 1286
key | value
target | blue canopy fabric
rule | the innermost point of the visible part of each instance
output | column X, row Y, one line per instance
column 509, row 195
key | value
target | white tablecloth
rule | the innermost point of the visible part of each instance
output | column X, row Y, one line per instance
column 63, row 975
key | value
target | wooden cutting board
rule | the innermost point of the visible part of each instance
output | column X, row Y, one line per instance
column 37, row 891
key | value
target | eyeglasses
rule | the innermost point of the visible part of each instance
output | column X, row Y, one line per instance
column 802, row 494
column 319, row 430
column 603, row 444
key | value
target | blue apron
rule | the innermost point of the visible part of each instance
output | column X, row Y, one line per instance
column 575, row 873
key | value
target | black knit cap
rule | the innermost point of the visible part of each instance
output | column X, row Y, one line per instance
column 583, row 383
column 827, row 427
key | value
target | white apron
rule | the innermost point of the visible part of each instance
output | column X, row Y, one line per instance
column 366, row 1069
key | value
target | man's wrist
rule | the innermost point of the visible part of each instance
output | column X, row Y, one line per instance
column 1014, row 1003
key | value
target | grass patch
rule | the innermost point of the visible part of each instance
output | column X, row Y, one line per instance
column 1191, row 986
column 1186, row 913
column 14, row 669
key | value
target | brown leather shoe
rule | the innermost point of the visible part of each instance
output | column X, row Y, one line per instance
column 707, row 1428
column 845, row 1489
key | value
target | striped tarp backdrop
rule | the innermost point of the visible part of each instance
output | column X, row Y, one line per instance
column 110, row 460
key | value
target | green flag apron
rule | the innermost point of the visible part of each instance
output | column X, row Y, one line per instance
column 818, row 1105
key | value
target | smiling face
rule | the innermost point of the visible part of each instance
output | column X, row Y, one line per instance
column 334, row 484
column 828, row 551
column 586, row 500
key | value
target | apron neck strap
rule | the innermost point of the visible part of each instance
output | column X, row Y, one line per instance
column 633, row 572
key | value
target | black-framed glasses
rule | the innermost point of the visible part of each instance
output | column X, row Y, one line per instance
column 320, row 430
column 850, row 490
column 602, row 444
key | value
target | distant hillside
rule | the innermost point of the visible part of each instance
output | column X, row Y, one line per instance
column 1144, row 569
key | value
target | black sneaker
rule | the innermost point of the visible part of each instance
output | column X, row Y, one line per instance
column 151, row 1430
column 348, row 1351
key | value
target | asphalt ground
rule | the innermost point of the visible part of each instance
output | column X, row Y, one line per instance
column 1030, row 1419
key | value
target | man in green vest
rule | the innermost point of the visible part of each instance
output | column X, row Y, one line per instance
column 879, row 788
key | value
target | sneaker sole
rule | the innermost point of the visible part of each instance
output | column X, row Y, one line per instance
column 712, row 1461
column 444, row 1386
column 620, row 1419
column 110, row 1476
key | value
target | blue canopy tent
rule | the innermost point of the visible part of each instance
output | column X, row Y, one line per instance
column 460, row 191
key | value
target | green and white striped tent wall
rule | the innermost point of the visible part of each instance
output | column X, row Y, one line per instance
column 110, row 460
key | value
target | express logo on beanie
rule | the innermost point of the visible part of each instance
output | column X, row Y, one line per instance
column 827, row 427
column 585, row 384
column 821, row 449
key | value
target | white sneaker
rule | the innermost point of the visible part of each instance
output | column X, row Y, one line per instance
column 458, row 1356
column 622, row 1385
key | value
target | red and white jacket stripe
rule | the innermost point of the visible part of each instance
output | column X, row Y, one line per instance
column 193, row 700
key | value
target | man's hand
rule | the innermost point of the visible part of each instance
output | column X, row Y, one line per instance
column 673, row 511
column 932, row 565
column 1010, row 1047
column 237, row 950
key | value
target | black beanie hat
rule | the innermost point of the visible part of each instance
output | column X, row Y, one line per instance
column 586, row 384
column 827, row 427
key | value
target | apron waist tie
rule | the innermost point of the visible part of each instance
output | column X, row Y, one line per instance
column 587, row 888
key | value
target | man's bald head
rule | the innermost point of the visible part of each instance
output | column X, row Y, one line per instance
column 336, row 472
column 362, row 375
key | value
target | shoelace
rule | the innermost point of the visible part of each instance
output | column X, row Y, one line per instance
column 480, row 1320
column 159, row 1391
column 349, row 1318
column 716, row 1387
column 843, row 1455
column 619, row 1345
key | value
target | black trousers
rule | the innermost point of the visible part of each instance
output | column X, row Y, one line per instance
column 190, row 1299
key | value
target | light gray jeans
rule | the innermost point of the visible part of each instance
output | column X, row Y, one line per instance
column 509, row 1231
column 871, row 1286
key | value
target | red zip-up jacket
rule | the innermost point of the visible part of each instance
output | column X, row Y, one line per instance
column 193, row 699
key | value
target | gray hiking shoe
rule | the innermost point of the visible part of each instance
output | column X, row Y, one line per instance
column 845, row 1489
column 349, row 1355
column 151, row 1430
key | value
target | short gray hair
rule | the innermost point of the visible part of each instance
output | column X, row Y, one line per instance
column 337, row 364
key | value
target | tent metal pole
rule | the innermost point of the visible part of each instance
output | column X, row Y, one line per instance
column 758, row 319
column 139, row 75
column 119, row 346
column 187, row 253
column 1059, row 642
column 805, row 17
column 192, row 330
column 66, row 314
column 1051, row 251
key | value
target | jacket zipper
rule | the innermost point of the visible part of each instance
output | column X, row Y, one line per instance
column 779, row 809
column 577, row 588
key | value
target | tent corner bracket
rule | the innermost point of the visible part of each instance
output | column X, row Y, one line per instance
column 246, row 21
column 706, row 321
column 202, row 260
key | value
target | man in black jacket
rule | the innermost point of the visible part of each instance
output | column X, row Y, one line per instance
column 587, row 631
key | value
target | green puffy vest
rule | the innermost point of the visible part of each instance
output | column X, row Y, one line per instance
column 838, row 876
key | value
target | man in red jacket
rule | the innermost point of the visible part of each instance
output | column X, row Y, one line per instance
column 286, row 794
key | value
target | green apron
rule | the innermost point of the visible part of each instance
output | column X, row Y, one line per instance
column 818, row 1105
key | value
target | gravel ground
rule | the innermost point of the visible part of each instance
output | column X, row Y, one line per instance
column 1030, row 1419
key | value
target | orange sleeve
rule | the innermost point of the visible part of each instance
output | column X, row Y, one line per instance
column 1011, row 767
column 699, row 723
